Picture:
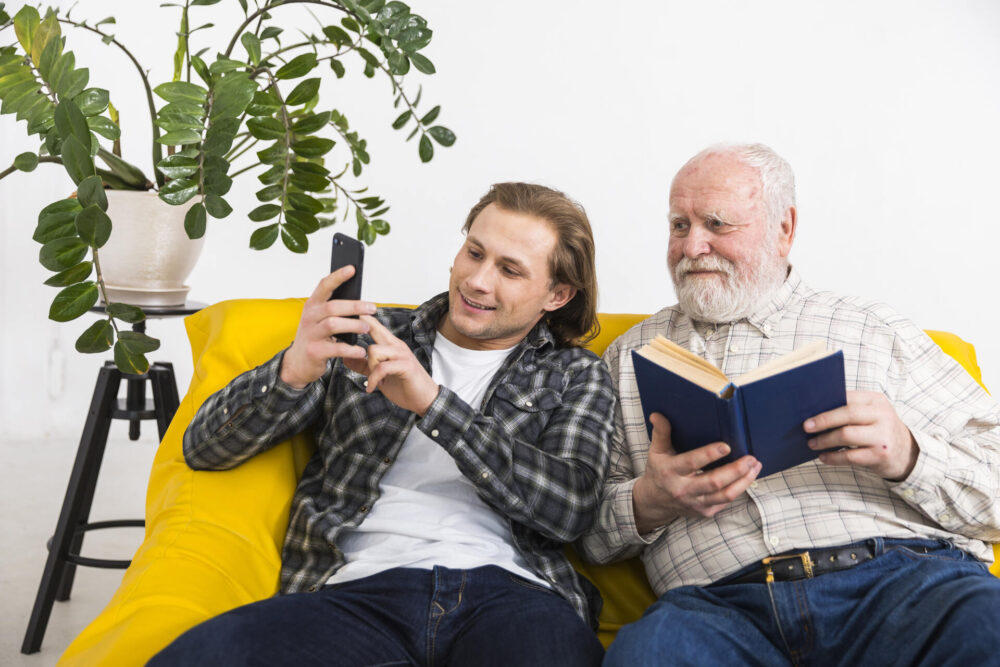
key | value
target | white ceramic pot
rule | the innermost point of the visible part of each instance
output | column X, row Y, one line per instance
column 149, row 256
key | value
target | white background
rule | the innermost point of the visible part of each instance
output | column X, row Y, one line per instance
column 888, row 111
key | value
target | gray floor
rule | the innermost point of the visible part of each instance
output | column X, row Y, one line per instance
column 33, row 479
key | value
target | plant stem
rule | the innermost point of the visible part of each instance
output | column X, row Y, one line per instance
column 157, row 151
column 43, row 158
column 102, row 290
column 247, row 168
column 270, row 6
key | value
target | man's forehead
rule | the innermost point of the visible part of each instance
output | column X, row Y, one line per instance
column 722, row 179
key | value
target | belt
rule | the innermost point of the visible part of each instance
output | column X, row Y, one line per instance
column 805, row 564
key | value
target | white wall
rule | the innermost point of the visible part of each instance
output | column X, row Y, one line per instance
column 887, row 110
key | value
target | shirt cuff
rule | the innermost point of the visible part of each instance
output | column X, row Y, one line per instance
column 919, row 487
column 275, row 395
column 624, row 512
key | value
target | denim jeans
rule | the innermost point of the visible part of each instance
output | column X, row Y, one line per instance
column 483, row 616
column 903, row 607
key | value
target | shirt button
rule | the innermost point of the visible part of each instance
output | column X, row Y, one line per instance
column 734, row 348
column 754, row 484
column 908, row 493
column 225, row 411
column 528, row 403
column 486, row 475
column 435, row 433
column 263, row 389
column 366, row 384
column 774, row 541
column 944, row 518
column 387, row 459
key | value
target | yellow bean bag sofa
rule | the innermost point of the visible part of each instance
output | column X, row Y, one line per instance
column 213, row 539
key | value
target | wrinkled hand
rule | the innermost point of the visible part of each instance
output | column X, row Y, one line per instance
column 392, row 368
column 866, row 433
column 673, row 484
column 305, row 360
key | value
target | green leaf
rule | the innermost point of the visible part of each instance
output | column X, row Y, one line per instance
column 336, row 35
column 264, row 212
column 73, row 301
column 223, row 65
column 138, row 342
column 128, row 361
column 194, row 221
column 366, row 233
column 183, row 107
column 302, row 167
column 181, row 91
column 297, row 66
column 426, row 149
column 368, row 57
column 442, row 135
column 305, row 221
column 252, row 45
column 217, row 207
column 26, row 161
column 263, row 103
column 273, row 154
column 338, row 68
column 91, row 192
column 217, row 182
column 310, row 182
column 264, row 237
column 62, row 253
column 171, row 122
column 61, row 69
column 294, row 239
column 104, row 127
column 271, row 32
column 199, row 67
column 71, row 276
column 26, row 23
column 73, row 83
column 71, row 123
column 414, row 39
column 231, row 96
column 350, row 24
column 304, row 202
column 380, row 226
column 57, row 220
column 125, row 171
column 401, row 120
column 178, row 191
column 126, row 313
column 76, row 159
column 422, row 63
column 220, row 135
column 304, row 92
column 92, row 101
column 110, row 19
column 272, row 175
column 177, row 166
column 179, row 138
column 270, row 192
column 97, row 338
column 430, row 115
column 50, row 56
column 311, row 123
column 266, row 128
column 93, row 225
column 313, row 146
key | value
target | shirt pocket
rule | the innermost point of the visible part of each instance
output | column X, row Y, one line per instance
column 525, row 411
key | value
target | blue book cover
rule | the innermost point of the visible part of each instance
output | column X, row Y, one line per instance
column 762, row 416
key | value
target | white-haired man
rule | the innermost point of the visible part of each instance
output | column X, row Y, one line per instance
column 872, row 554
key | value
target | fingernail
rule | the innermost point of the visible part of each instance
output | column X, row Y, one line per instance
column 723, row 449
column 812, row 443
column 809, row 425
column 370, row 308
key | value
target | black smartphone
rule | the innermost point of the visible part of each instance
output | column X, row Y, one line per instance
column 347, row 251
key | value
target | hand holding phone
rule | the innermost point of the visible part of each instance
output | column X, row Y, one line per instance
column 347, row 252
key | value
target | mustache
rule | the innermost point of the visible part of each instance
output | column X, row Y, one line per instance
column 706, row 263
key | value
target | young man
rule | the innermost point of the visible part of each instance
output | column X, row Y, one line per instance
column 460, row 445
column 873, row 554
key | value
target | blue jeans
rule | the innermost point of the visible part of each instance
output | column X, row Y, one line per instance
column 903, row 607
column 483, row 616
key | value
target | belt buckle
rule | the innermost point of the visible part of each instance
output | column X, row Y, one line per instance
column 807, row 565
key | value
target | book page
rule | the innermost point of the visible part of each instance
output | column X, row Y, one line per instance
column 795, row 358
column 668, row 347
column 710, row 378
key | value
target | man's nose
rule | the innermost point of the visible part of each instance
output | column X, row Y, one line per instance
column 479, row 279
column 697, row 242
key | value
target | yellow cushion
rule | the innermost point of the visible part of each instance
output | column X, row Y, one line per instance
column 213, row 539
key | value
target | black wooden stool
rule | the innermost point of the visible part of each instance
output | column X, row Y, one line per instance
column 64, row 547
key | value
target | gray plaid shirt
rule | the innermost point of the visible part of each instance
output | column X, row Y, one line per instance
column 537, row 448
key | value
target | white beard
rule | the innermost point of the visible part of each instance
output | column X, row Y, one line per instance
column 743, row 290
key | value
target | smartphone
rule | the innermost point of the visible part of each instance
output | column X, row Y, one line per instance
column 347, row 251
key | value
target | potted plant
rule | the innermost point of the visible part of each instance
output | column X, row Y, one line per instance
column 252, row 108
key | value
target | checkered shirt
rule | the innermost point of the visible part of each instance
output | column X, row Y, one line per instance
column 536, row 449
column 951, row 493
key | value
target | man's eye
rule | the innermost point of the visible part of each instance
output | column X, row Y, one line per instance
column 678, row 227
column 475, row 254
column 716, row 224
column 510, row 272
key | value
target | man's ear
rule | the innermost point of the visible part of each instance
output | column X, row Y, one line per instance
column 786, row 231
column 560, row 295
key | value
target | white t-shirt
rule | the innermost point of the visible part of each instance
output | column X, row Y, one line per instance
column 428, row 513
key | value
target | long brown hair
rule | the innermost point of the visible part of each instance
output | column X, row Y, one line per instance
column 572, row 261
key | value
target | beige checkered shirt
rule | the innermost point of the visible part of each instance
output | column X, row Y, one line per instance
column 952, row 492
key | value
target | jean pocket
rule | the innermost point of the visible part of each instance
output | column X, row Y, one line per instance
column 937, row 553
column 531, row 585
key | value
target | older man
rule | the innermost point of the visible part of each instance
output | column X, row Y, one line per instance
column 874, row 553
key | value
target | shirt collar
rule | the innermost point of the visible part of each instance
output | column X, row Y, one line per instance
column 424, row 322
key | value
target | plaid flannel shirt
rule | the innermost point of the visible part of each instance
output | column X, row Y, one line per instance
column 536, row 449
column 951, row 493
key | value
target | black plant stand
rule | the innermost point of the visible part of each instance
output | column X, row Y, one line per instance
column 64, row 547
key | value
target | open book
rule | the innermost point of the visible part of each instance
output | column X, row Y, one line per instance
column 758, row 413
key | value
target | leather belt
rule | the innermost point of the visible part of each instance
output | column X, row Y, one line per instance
column 805, row 564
